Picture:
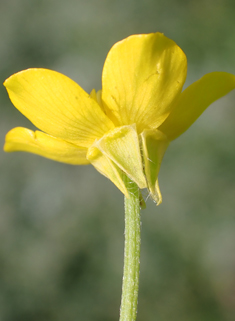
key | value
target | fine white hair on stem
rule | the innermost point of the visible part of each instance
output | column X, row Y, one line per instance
column 151, row 161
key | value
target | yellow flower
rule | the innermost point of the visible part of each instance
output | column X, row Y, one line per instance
column 123, row 129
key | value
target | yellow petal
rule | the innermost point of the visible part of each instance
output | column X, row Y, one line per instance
column 23, row 139
column 107, row 168
column 194, row 100
column 58, row 106
column 154, row 145
column 97, row 96
column 142, row 76
column 122, row 146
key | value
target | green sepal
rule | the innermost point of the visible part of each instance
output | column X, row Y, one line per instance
column 121, row 145
column 154, row 145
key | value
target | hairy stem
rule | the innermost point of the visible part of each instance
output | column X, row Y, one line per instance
column 130, row 285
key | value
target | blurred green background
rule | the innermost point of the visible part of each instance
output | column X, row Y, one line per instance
column 61, row 226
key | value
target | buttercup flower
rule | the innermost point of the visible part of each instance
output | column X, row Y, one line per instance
column 123, row 129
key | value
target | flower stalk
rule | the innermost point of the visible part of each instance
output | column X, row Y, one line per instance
column 130, row 284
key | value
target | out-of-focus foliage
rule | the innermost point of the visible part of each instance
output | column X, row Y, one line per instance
column 61, row 226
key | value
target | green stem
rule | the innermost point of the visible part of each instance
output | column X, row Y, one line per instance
column 130, row 285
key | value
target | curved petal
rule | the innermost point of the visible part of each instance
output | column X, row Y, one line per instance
column 57, row 105
column 194, row 100
column 142, row 76
column 23, row 139
column 154, row 145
